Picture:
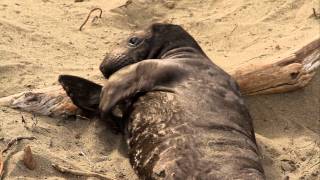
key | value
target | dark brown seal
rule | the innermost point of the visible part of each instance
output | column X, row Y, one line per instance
column 190, row 121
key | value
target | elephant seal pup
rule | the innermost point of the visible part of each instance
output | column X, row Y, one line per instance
column 188, row 120
column 191, row 123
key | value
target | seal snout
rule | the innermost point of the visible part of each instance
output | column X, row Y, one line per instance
column 113, row 63
column 103, row 70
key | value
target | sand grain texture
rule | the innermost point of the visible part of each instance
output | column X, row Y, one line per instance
column 40, row 39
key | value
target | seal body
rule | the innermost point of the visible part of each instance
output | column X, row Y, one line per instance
column 202, row 131
column 191, row 122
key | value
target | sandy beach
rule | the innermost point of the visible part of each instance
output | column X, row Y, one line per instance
column 40, row 39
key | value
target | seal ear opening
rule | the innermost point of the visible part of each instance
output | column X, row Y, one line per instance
column 83, row 93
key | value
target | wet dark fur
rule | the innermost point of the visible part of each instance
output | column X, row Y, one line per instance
column 191, row 123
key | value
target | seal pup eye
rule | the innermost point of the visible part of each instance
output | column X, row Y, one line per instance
column 134, row 41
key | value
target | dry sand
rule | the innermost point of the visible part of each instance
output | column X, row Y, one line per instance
column 39, row 39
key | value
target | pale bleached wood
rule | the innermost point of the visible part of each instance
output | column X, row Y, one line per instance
column 63, row 169
column 285, row 75
column 51, row 101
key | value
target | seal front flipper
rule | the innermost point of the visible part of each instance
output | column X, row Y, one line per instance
column 84, row 93
column 147, row 75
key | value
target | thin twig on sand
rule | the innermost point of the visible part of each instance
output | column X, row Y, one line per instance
column 315, row 14
column 12, row 141
column 85, row 21
column 1, row 165
column 235, row 27
column 63, row 169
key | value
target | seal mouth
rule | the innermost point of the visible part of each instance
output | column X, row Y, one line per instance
column 108, row 71
column 111, row 65
column 104, row 72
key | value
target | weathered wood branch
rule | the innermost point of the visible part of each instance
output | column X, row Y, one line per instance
column 285, row 75
column 52, row 101
column 63, row 169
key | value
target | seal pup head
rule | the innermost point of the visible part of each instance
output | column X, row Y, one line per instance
column 152, row 43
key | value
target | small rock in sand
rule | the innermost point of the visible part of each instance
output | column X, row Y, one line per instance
column 28, row 159
column 288, row 165
column 169, row 4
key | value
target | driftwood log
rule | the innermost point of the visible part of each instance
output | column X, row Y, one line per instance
column 52, row 101
column 285, row 75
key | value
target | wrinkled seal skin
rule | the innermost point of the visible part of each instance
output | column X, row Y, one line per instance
column 191, row 123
